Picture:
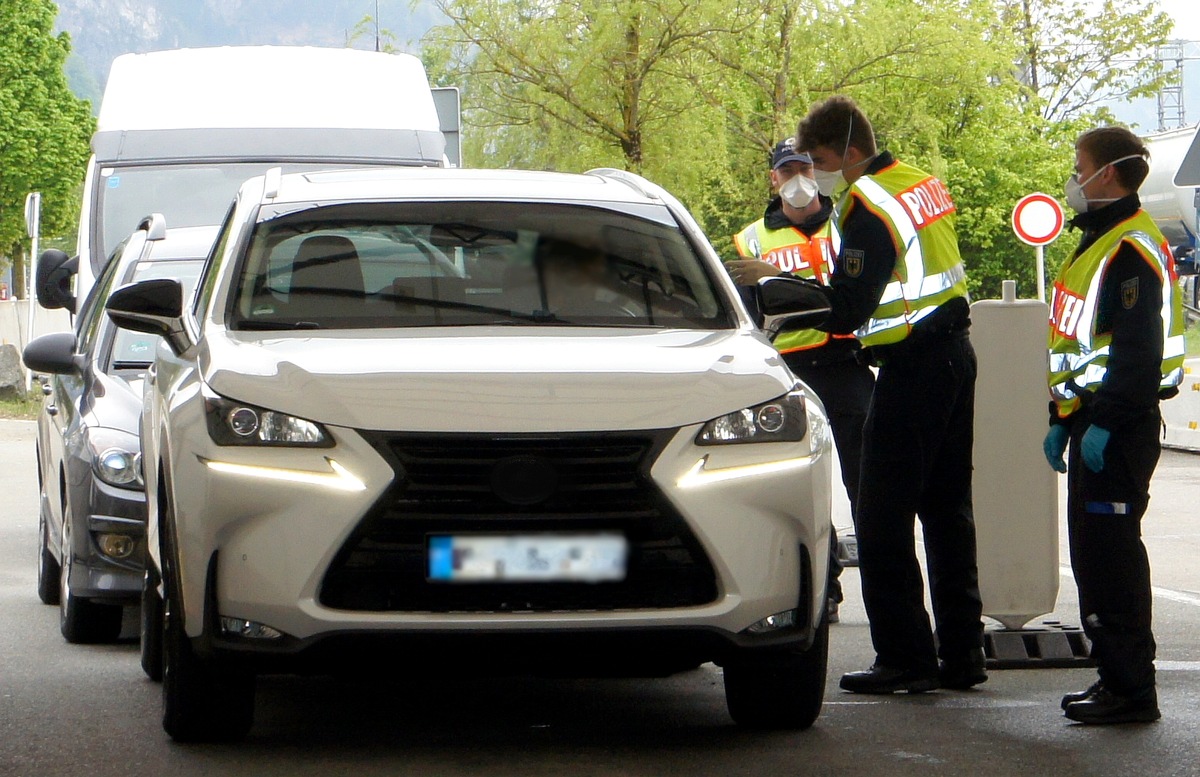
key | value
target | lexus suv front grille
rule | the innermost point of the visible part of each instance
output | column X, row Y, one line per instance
column 519, row 484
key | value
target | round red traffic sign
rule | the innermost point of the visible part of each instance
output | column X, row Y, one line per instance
column 1037, row 219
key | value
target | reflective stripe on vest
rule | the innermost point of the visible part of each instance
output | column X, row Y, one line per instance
column 1078, row 353
column 929, row 271
column 793, row 252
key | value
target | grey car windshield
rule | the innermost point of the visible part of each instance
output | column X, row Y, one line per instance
column 187, row 195
column 386, row 265
column 135, row 350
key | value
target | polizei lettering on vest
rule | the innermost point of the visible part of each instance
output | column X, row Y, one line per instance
column 927, row 202
column 788, row 259
column 1064, row 312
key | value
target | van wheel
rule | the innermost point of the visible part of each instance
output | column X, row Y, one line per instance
column 151, row 627
column 778, row 690
column 201, row 703
column 47, row 569
column 80, row 620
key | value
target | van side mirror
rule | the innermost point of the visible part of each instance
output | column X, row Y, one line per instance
column 154, row 307
column 53, row 354
column 54, row 273
column 789, row 303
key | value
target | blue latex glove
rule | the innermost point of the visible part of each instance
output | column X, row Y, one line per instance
column 1055, row 445
column 1092, row 445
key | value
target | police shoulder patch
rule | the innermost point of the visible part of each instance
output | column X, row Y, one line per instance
column 852, row 261
column 1129, row 293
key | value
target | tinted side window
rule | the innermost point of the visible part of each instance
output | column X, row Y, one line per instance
column 208, row 276
column 92, row 313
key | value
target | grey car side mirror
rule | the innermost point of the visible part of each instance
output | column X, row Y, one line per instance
column 154, row 307
column 53, row 354
column 788, row 304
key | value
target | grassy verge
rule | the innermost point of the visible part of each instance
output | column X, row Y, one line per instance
column 26, row 409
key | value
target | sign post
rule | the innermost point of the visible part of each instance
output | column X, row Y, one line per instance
column 1037, row 220
column 33, row 226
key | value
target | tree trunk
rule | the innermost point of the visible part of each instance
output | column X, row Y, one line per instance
column 631, row 91
column 18, row 271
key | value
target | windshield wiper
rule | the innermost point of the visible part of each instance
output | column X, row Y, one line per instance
column 130, row 365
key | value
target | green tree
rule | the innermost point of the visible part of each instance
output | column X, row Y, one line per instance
column 1075, row 55
column 44, row 129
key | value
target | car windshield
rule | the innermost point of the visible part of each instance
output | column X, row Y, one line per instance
column 187, row 195
column 135, row 350
column 386, row 265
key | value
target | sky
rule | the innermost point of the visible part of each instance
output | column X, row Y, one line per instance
column 1144, row 113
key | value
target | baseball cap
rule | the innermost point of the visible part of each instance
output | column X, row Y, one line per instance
column 785, row 151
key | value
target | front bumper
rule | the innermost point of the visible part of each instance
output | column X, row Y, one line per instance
column 256, row 543
column 109, row 510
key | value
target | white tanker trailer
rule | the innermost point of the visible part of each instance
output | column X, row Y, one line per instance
column 1171, row 195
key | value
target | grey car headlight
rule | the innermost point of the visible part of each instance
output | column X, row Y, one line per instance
column 238, row 423
column 116, row 458
column 780, row 420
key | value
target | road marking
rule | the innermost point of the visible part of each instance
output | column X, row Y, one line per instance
column 948, row 702
column 1177, row 666
column 1162, row 593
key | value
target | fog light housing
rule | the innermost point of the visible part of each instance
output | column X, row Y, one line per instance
column 236, row 627
column 780, row 620
column 116, row 545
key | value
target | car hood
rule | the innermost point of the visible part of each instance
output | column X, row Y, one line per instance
column 115, row 404
column 497, row 379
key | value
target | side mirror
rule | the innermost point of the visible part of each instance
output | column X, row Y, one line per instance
column 788, row 304
column 53, row 354
column 54, row 273
column 154, row 307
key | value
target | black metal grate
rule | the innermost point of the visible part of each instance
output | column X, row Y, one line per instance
column 448, row 484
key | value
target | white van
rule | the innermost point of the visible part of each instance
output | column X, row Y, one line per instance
column 179, row 131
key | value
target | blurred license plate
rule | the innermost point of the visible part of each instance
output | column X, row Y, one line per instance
column 527, row 557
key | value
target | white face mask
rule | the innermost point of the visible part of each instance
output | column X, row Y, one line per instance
column 798, row 191
column 834, row 181
column 1080, row 202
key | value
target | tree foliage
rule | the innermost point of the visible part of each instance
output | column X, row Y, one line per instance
column 694, row 93
column 44, row 129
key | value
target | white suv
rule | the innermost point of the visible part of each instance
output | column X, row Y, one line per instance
column 496, row 421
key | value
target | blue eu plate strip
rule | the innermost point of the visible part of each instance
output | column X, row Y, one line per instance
column 441, row 558
column 1107, row 508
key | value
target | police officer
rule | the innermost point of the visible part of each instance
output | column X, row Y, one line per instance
column 1116, row 349
column 795, row 236
column 899, row 283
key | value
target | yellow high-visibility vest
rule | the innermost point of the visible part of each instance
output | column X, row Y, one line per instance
column 919, row 214
column 796, row 253
column 1078, row 352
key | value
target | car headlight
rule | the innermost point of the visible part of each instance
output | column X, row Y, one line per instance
column 120, row 468
column 780, row 420
column 238, row 423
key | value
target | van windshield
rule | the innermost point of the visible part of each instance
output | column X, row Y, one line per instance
column 386, row 265
column 187, row 195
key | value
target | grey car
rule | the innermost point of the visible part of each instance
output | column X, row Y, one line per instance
column 92, row 516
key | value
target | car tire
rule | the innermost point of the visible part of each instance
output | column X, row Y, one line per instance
column 80, row 620
column 774, row 690
column 201, row 702
column 151, row 628
column 48, row 570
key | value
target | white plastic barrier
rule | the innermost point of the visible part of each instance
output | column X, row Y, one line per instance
column 1181, row 414
column 1015, row 491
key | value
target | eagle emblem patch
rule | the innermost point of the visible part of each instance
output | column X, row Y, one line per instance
column 852, row 262
column 1129, row 293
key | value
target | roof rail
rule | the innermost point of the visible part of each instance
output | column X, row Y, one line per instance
column 632, row 180
column 155, row 225
column 274, row 177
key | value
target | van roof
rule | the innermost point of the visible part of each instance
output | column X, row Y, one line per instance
column 264, row 87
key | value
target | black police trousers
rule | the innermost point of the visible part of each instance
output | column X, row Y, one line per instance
column 844, row 388
column 1104, row 520
column 917, row 448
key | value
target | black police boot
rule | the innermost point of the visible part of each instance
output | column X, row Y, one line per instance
column 967, row 672
column 885, row 679
column 1071, row 698
column 1105, row 707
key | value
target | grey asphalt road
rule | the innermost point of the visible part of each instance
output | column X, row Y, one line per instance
column 74, row 710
